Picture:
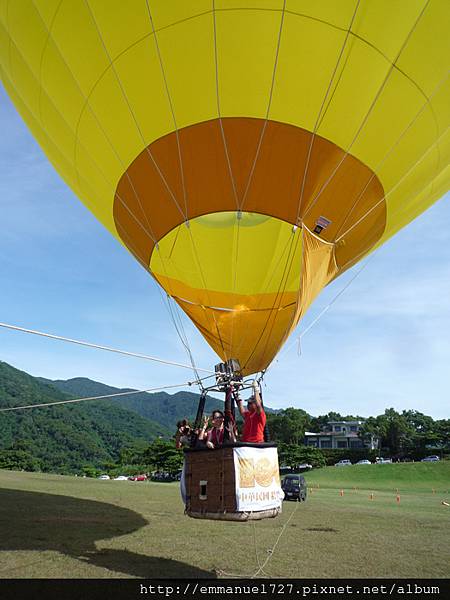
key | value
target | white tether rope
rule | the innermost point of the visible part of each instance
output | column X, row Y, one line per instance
column 270, row 552
column 109, row 349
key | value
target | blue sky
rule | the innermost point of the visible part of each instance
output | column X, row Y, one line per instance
column 384, row 343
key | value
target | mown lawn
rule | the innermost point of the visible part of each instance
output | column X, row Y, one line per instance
column 54, row 526
column 419, row 476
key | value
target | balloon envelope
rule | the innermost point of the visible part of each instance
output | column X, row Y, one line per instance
column 245, row 152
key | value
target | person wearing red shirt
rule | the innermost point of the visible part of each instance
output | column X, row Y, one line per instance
column 254, row 418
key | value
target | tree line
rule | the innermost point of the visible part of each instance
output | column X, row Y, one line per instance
column 409, row 434
column 396, row 432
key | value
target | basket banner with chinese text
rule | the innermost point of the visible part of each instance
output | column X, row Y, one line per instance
column 257, row 479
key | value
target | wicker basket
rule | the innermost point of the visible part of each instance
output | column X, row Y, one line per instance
column 210, row 483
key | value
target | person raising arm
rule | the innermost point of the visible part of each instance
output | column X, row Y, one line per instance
column 254, row 418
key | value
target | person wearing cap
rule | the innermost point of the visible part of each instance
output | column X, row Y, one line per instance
column 254, row 418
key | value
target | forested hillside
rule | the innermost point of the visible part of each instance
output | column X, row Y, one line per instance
column 124, row 434
column 161, row 407
column 64, row 438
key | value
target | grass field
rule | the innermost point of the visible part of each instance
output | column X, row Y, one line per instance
column 58, row 527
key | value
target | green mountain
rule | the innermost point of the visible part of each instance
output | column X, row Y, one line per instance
column 161, row 407
column 64, row 438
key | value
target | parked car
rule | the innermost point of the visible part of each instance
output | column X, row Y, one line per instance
column 432, row 458
column 344, row 463
column 164, row 476
column 284, row 470
column 383, row 461
column 294, row 488
column 138, row 478
column 304, row 467
column 364, row 462
column 104, row 477
column 121, row 478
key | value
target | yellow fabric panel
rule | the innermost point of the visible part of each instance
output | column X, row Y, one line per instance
column 58, row 159
column 416, row 206
column 84, row 54
column 4, row 51
column 187, row 53
column 440, row 101
column 111, row 109
column 56, row 126
column 28, row 101
column 417, row 190
column 417, row 145
column 107, row 127
column 58, row 104
column 3, row 10
column 175, row 11
column 444, row 152
column 61, row 87
column 386, row 23
column 410, row 184
column 47, row 10
column 408, row 150
column 390, row 119
column 251, row 325
column 425, row 58
column 249, row 4
column 120, row 26
column 338, row 14
column 319, row 267
column 92, row 142
column 361, row 73
column 144, row 91
column 304, row 70
column 24, row 79
column 246, row 47
column 59, row 90
column 440, row 184
column 28, row 32
column 228, row 333
column 100, row 181
column 214, row 237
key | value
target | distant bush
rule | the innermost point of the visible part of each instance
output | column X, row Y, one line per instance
column 19, row 460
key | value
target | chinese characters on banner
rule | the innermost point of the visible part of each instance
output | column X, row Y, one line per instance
column 257, row 479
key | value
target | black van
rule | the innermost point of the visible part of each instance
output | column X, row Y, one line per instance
column 294, row 487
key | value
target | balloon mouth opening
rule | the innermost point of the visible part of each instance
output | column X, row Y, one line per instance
column 248, row 190
column 243, row 244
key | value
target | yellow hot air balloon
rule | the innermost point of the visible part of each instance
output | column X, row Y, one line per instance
column 246, row 152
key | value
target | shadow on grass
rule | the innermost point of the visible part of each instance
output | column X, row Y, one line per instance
column 36, row 521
